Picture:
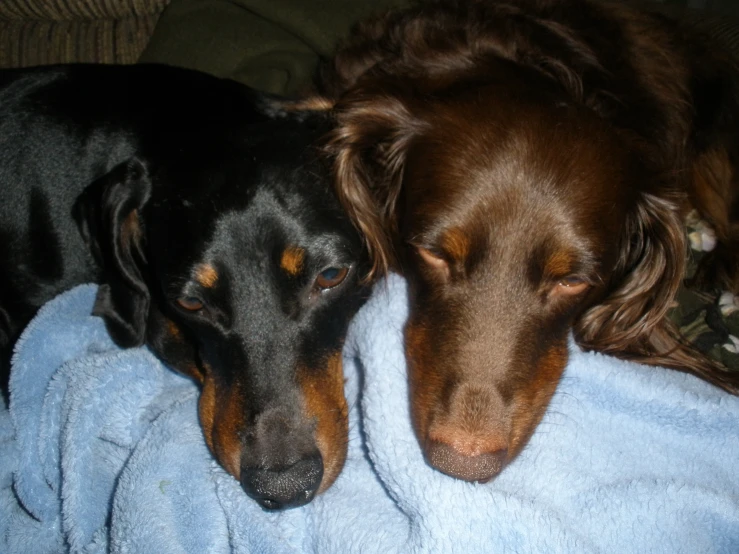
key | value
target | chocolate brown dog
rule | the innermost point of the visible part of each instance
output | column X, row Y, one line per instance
column 529, row 166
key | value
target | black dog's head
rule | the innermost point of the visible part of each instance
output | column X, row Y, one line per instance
column 230, row 256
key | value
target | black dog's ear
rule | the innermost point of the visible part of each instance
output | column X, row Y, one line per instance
column 108, row 214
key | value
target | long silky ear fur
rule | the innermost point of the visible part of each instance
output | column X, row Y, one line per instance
column 631, row 322
column 108, row 214
column 368, row 148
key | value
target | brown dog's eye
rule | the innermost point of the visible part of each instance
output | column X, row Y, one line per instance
column 571, row 285
column 432, row 259
column 190, row 303
column 331, row 277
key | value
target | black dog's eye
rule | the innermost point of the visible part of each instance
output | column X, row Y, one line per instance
column 190, row 303
column 331, row 277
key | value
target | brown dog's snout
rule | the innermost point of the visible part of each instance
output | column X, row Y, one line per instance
column 468, row 442
column 476, row 397
column 481, row 467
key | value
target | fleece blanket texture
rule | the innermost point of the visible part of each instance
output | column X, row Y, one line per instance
column 101, row 452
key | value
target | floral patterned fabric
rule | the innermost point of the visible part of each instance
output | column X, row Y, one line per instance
column 709, row 319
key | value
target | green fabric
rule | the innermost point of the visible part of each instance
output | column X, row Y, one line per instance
column 272, row 45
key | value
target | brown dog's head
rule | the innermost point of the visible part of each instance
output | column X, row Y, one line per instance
column 516, row 217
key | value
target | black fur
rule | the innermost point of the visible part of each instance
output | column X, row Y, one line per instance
column 134, row 177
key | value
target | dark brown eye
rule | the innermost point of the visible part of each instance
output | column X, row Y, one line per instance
column 571, row 285
column 431, row 258
column 434, row 261
column 190, row 303
column 331, row 277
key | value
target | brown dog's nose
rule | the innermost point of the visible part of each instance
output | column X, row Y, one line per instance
column 477, row 456
column 277, row 489
column 479, row 467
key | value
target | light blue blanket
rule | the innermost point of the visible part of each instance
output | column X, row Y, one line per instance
column 101, row 451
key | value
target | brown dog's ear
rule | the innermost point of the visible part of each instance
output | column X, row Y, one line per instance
column 631, row 322
column 108, row 214
column 368, row 148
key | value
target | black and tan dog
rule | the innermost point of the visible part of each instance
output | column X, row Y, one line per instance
column 204, row 214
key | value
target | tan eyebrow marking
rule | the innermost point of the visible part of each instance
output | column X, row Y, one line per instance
column 206, row 275
column 558, row 264
column 457, row 244
column 174, row 330
column 292, row 260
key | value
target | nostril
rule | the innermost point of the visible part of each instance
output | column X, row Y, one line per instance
column 269, row 504
column 480, row 467
column 280, row 488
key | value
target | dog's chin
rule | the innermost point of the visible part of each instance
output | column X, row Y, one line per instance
column 332, row 466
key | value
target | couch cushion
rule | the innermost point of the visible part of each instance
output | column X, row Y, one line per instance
column 273, row 45
column 30, row 43
column 61, row 10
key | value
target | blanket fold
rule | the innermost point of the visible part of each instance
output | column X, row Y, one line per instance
column 102, row 452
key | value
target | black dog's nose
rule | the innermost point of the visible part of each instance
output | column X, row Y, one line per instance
column 284, row 488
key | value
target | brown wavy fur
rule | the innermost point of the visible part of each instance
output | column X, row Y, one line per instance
column 666, row 103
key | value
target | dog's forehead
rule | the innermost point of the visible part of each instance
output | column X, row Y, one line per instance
column 224, row 171
column 553, row 163
column 274, row 217
column 249, row 223
column 519, row 198
column 511, row 186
